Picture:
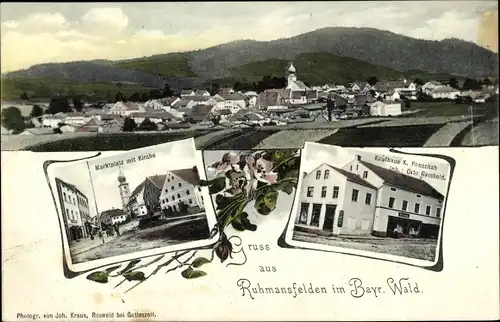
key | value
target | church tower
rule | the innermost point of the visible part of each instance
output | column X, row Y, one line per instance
column 291, row 77
column 124, row 190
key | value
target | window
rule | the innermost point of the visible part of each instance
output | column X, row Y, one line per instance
column 357, row 167
column 350, row 168
column 163, row 201
column 417, row 208
column 323, row 192
column 199, row 188
column 190, row 201
column 173, row 198
column 178, row 195
column 428, row 210
column 187, row 192
column 168, row 180
column 355, row 194
column 393, row 189
column 316, row 212
column 391, row 202
column 310, row 191
column 327, row 173
column 368, row 198
column 438, row 212
column 318, row 174
column 172, row 187
column 74, row 201
column 166, row 199
column 440, row 201
column 180, row 184
column 335, row 192
column 166, row 190
column 64, row 195
column 365, row 174
column 404, row 205
column 419, row 196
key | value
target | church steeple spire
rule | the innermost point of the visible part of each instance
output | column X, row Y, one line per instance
column 291, row 77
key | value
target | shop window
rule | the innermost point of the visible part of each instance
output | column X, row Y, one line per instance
column 316, row 212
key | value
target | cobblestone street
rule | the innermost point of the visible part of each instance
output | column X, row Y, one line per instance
column 424, row 249
column 135, row 239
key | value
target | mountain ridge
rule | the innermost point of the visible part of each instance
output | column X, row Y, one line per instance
column 378, row 47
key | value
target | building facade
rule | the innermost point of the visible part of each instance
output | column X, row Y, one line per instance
column 336, row 202
column 181, row 186
column 364, row 199
column 75, row 210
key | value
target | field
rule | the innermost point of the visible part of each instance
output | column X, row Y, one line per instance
column 394, row 136
column 12, row 88
column 243, row 140
column 485, row 133
column 449, row 109
column 176, row 65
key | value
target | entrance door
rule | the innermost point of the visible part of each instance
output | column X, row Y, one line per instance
column 329, row 217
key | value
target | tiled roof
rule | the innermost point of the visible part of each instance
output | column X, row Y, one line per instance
column 161, row 114
column 234, row 97
column 353, row 177
column 301, row 85
column 112, row 213
column 75, row 114
column 403, row 181
column 158, row 180
column 187, row 175
column 200, row 92
column 186, row 91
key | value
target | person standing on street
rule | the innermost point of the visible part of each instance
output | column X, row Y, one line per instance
column 117, row 230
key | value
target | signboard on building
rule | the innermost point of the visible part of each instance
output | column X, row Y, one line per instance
column 340, row 221
column 403, row 215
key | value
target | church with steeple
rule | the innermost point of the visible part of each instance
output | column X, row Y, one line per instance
column 296, row 92
column 124, row 190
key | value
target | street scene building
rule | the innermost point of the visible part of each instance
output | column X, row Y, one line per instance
column 75, row 211
column 364, row 199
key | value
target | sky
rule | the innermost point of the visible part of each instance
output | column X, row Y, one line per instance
column 316, row 154
column 35, row 33
column 171, row 156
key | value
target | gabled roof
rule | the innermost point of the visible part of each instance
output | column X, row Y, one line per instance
column 113, row 213
column 199, row 98
column 187, row 92
column 234, row 97
column 158, row 180
column 444, row 89
column 403, row 181
column 301, row 85
column 350, row 176
column 137, row 189
column 200, row 92
column 187, row 175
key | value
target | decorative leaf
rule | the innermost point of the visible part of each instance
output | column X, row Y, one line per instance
column 190, row 273
column 266, row 202
column 134, row 276
column 236, row 223
column 236, row 213
column 130, row 265
column 286, row 186
column 99, row 277
column 217, row 185
column 246, row 224
column 200, row 261
column 112, row 268
column 294, row 173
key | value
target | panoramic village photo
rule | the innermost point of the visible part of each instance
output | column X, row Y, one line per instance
column 358, row 201
column 133, row 201
column 128, row 75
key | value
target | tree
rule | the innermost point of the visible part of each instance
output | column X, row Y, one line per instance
column 167, row 91
column 418, row 81
column 454, row 83
column 77, row 103
column 129, row 125
column 486, row 81
column 144, row 96
column 155, row 94
column 147, row 125
column 214, row 89
column 372, row 80
column 471, row 84
column 13, row 120
column 330, row 106
column 59, row 105
column 120, row 97
column 136, row 97
column 24, row 96
column 36, row 111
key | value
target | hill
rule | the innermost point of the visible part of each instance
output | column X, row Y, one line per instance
column 392, row 52
column 322, row 68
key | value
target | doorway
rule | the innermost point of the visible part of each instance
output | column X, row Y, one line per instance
column 329, row 217
column 405, row 225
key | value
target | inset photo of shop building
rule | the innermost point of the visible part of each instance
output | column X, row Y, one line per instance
column 365, row 206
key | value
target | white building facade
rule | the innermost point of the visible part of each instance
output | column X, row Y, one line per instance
column 69, row 198
column 385, row 108
column 181, row 186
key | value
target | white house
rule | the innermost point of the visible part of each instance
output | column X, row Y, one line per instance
column 335, row 201
column 445, row 92
column 401, row 200
column 69, row 197
column 181, row 186
column 113, row 216
column 155, row 117
column 126, row 108
column 53, row 121
column 385, row 108
column 187, row 92
column 429, row 86
column 202, row 92
column 252, row 98
column 77, row 118
column 363, row 198
column 234, row 102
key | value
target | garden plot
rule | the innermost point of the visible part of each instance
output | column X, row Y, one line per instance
column 215, row 136
column 409, row 121
column 20, row 141
column 294, row 138
column 445, row 135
